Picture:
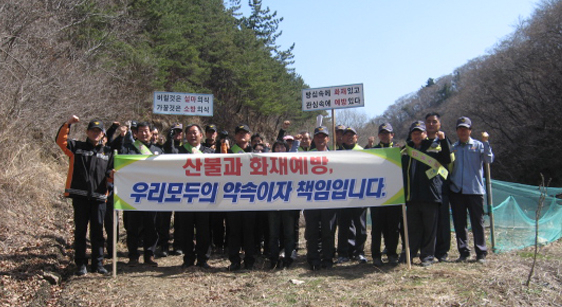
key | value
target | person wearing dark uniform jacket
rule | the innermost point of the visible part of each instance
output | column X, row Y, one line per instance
column 164, row 218
column 141, row 222
column 195, row 223
column 443, row 238
column 240, row 224
column 211, row 137
column 352, row 222
column 467, row 189
column 423, row 184
column 320, row 223
column 385, row 219
column 90, row 169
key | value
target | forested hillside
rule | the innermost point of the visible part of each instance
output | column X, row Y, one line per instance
column 514, row 93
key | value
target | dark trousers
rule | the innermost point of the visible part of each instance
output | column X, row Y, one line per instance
column 281, row 222
column 145, row 222
column 108, row 225
column 460, row 203
column 163, row 222
column 92, row 212
column 352, row 231
column 320, row 235
column 422, row 228
column 261, row 234
column 240, row 233
column 217, row 226
column 443, row 239
column 385, row 222
column 194, row 223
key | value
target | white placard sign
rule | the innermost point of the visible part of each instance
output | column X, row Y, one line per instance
column 335, row 97
column 183, row 104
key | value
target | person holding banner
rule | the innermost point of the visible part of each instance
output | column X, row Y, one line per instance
column 467, row 189
column 195, row 223
column 164, row 218
column 424, row 174
column 90, row 170
column 140, row 222
column 443, row 239
column 386, row 219
column 352, row 222
column 240, row 224
column 320, row 223
column 281, row 228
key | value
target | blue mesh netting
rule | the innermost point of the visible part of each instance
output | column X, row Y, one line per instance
column 514, row 213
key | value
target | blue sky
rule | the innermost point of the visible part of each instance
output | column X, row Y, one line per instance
column 392, row 47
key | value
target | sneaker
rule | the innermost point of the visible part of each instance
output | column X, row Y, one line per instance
column 294, row 254
column 443, row 258
column 81, row 270
column 150, row 261
column 342, row 260
column 178, row 252
column 393, row 260
column 427, row 263
column 100, row 270
column 163, row 254
column 462, row 259
column 377, row 262
column 481, row 259
column 361, row 259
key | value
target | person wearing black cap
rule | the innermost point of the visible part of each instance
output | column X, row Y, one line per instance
column 91, row 167
column 352, row 222
column 467, row 189
column 443, row 239
column 240, row 224
column 173, row 145
column 211, row 136
column 340, row 130
column 385, row 219
column 423, row 185
column 194, row 223
column 140, row 223
column 320, row 223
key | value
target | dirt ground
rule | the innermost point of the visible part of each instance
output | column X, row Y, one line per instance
column 30, row 257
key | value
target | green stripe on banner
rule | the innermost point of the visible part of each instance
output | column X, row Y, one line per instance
column 124, row 160
column 398, row 198
column 120, row 204
column 391, row 154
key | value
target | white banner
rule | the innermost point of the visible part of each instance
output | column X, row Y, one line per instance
column 265, row 181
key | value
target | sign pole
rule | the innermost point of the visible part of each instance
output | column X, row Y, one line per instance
column 490, row 204
column 334, row 137
column 406, row 237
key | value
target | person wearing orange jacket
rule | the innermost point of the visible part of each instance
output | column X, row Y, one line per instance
column 90, row 169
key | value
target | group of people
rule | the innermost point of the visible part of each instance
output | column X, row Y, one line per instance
column 438, row 175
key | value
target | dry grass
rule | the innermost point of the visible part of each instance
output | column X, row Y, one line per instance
column 498, row 283
column 36, row 232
